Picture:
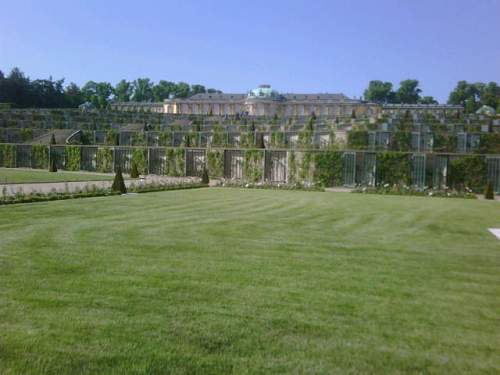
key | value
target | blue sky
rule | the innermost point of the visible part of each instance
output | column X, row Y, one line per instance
column 297, row 46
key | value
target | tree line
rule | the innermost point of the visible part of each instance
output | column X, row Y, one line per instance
column 471, row 95
column 22, row 92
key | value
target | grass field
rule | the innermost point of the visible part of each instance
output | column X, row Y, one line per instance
column 250, row 281
column 22, row 176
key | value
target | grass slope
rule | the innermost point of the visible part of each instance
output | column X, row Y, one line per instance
column 22, row 176
column 249, row 281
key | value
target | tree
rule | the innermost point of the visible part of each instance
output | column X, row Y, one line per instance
column 182, row 90
column 118, row 183
column 428, row 100
column 123, row 91
column 408, row 92
column 379, row 92
column 98, row 93
column 462, row 92
column 489, row 94
column 143, row 90
column 470, row 105
column 73, row 95
column 198, row 89
column 163, row 90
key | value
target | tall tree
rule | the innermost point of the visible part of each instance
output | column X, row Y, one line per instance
column 163, row 90
column 98, row 93
column 198, row 89
column 123, row 91
column 73, row 95
column 490, row 94
column 408, row 92
column 143, row 90
column 183, row 90
column 379, row 92
column 428, row 100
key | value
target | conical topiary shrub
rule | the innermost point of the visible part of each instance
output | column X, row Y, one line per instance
column 204, row 177
column 260, row 141
column 134, row 172
column 53, row 165
column 118, row 183
column 488, row 192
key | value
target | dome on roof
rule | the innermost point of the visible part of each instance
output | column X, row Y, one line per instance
column 263, row 92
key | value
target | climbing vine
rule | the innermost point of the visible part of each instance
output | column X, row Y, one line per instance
column 8, row 156
column 139, row 157
column 39, row 156
column 175, row 162
column 328, row 168
column 253, row 166
column 104, row 160
column 468, row 172
column 215, row 160
column 73, row 158
column 393, row 168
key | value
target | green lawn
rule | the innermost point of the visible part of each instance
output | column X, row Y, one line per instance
column 250, row 281
column 22, row 176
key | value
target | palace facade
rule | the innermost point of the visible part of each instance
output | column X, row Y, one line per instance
column 264, row 101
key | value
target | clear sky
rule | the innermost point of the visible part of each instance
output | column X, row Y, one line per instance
column 232, row 45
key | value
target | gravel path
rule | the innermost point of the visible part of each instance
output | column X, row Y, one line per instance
column 47, row 187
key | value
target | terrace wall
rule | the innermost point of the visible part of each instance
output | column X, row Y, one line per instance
column 324, row 167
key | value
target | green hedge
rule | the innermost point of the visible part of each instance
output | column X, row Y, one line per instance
column 328, row 168
column 73, row 158
column 468, row 172
column 393, row 168
column 215, row 161
column 104, row 160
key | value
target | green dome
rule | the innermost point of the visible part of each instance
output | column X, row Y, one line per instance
column 264, row 92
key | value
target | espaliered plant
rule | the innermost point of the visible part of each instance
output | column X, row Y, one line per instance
column 328, row 168
column 139, row 157
column 118, row 183
column 53, row 165
column 204, row 176
column 134, row 172
column 104, row 159
column 488, row 191
column 39, row 156
column 215, row 161
column 73, row 158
